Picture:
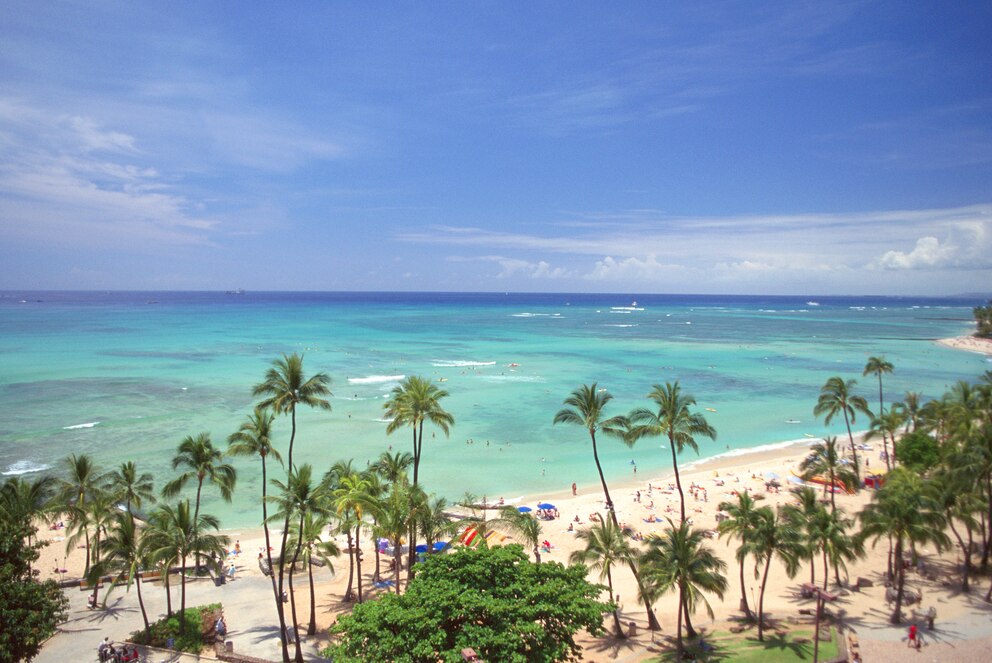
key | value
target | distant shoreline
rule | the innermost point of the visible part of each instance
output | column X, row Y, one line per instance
column 969, row 344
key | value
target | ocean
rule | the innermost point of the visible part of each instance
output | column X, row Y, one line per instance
column 127, row 375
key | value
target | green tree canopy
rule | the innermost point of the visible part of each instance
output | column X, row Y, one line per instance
column 983, row 318
column 495, row 601
column 919, row 451
column 29, row 610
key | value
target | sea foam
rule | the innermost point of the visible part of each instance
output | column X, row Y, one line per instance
column 77, row 426
column 444, row 363
column 24, row 467
column 376, row 379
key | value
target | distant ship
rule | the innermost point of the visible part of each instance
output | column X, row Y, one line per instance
column 239, row 291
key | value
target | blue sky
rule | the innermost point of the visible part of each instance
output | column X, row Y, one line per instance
column 820, row 148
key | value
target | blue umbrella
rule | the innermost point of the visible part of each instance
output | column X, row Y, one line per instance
column 524, row 509
column 422, row 548
column 545, row 505
column 440, row 545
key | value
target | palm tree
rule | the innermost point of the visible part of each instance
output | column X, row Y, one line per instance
column 285, row 387
column 824, row 460
column 392, row 467
column 773, row 535
column 888, row 426
column 903, row 509
column 96, row 514
column 808, row 517
column 175, row 535
column 433, row 521
column 605, row 547
column 81, row 480
column 878, row 366
column 22, row 500
column 254, row 438
column 524, row 525
column 132, row 487
column 742, row 520
column 836, row 397
column 585, row 408
column 674, row 420
column 679, row 560
column 909, row 406
column 351, row 500
column 124, row 552
column 415, row 401
column 314, row 552
column 203, row 461
column 393, row 523
column 296, row 498
column 839, row 545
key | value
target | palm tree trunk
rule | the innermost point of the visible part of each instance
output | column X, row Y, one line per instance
column 761, row 600
column 966, row 550
column 348, row 596
column 854, row 451
column 900, row 583
column 826, row 576
column 141, row 604
column 182, row 596
column 276, row 594
column 358, row 558
column 196, row 530
column 678, row 630
column 86, row 569
column 689, row 630
column 168, row 593
column 396, row 564
column 988, row 536
column 678, row 479
column 747, row 608
column 616, row 612
column 285, row 534
column 537, row 553
column 812, row 567
column 292, row 607
column 312, row 627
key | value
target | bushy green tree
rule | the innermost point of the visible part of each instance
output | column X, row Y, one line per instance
column 29, row 609
column 919, row 451
column 494, row 600
column 983, row 318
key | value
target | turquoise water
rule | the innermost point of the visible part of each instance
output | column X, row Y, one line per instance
column 128, row 375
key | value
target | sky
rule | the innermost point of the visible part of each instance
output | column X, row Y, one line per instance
column 638, row 147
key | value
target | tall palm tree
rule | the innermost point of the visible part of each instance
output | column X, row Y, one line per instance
column 903, row 509
column 679, row 560
column 393, row 467
column 877, row 366
column 284, row 388
column 524, row 525
column 82, row 478
column 605, row 547
column 393, row 523
column 415, row 401
column 910, row 406
column 314, row 552
column 175, row 535
column 95, row 514
column 807, row 515
column 742, row 520
column 836, row 397
column 23, row 500
column 203, row 461
column 839, row 543
column 585, row 408
column 824, row 460
column 124, row 553
column 673, row 420
column 772, row 536
column 132, row 487
column 254, row 438
column 295, row 499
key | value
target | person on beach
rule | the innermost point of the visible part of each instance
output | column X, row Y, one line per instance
column 574, row 489
column 912, row 635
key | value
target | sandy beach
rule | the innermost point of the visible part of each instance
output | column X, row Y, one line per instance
column 969, row 344
column 962, row 619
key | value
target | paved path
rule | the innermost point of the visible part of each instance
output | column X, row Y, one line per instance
column 248, row 610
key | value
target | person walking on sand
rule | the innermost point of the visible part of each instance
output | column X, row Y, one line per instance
column 574, row 489
column 912, row 635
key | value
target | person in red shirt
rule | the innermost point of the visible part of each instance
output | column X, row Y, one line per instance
column 912, row 635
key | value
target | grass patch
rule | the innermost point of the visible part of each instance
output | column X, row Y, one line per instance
column 746, row 648
column 165, row 633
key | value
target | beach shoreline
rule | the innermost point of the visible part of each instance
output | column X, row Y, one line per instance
column 968, row 344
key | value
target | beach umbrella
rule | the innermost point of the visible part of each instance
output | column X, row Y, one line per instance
column 440, row 545
column 796, row 480
column 524, row 509
column 770, row 476
column 422, row 548
column 545, row 506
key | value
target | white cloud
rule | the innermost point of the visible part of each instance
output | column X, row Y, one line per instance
column 928, row 253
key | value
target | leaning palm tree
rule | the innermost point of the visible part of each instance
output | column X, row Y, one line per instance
column 605, row 547
column 286, row 387
column 352, row 498
column 585, row 408
column 125, row 553
column 296, row 498
column 254, row 438
column 903, row 509
column 82, row 478
column 175, row 535
column 131, row 487
column 313, row 552
column 203, row 461
column 742, row 520
column 524, row 525
column 825, row 461
column 836, row 397
column 773, row 536
column 673, row 420
column 679, row 560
